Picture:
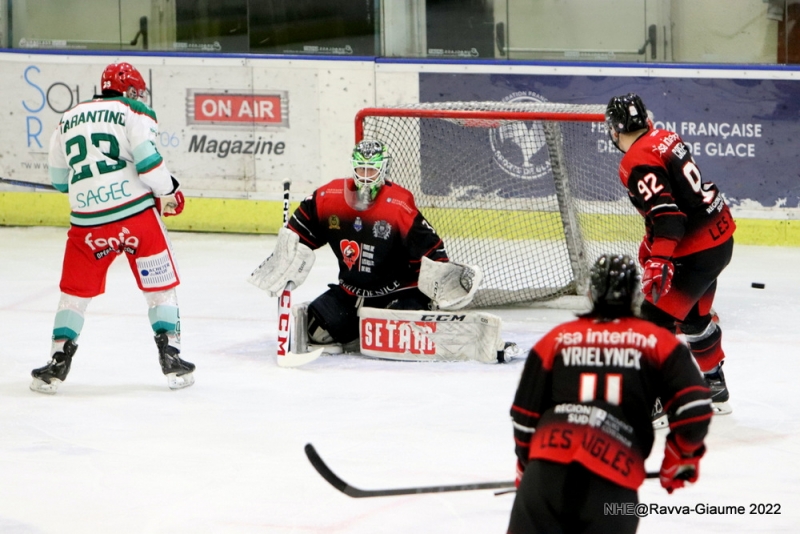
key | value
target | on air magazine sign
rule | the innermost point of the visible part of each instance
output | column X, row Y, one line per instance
column 228, row 128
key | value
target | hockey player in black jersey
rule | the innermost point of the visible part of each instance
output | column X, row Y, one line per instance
column 688, row 239
column 381, row 241
column 581, row 414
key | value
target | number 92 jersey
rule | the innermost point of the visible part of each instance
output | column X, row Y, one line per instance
column 103, row 153
column 665, row 185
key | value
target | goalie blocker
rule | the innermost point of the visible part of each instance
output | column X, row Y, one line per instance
column 422, row 335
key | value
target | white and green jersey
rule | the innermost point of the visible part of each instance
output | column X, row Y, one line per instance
column 104, row 154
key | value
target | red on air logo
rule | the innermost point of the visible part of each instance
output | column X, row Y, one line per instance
column 385, row 335
column 237, row 109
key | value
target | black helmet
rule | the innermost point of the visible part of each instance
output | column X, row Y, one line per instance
column 614, row 282
column 626, row 114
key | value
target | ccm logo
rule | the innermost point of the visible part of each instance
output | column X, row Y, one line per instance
column 397, row 336
column 443, row 318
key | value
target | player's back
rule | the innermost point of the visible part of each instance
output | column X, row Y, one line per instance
column 98, row 140
column 659, row 168
column 605, row 377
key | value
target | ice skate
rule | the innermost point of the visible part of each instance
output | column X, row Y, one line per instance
column 179, row 372
column 719, row 391
column 47, row 379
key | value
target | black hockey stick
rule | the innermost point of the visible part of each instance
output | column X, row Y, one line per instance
column 513, row 490
column 351, row 491
column 23, row 183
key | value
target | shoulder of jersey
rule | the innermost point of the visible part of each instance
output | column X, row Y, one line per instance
column 136, row 106
column 395, row 191
column 334, row 186
column 645, row 151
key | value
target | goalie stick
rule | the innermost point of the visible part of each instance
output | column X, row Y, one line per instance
column 285, row 356
column 354, row 492
column 23, row 183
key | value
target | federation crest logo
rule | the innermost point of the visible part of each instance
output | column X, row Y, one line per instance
column 350, row 252
column 382, row 230
column 519, row 148
column 333, row 223
column 358, row 225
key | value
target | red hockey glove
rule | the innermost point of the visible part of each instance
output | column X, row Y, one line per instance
column 170, row 205
column 644, row 252
column 678, row 468
column 520, row 470
column 657, row 277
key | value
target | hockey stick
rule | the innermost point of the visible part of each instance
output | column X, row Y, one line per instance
column 354, row 492
column 513, row 490
column 285, row 356
column 23, row 183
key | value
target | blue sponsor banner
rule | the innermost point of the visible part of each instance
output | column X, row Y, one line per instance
column 743, row 133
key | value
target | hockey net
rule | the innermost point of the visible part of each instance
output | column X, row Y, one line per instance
column 527, row 190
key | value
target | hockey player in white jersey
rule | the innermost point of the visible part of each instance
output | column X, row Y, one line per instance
column 103, row 154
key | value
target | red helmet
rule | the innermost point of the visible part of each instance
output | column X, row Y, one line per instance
column 125, row 79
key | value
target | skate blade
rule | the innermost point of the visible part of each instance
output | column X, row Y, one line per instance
column 179, row 382
column 40, row 386
column 660, row 422
column 721, row 408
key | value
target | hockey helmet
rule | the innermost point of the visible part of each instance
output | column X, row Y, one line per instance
column 614, row 283
column 125, row 79
column 625, row 114
column 370, row 160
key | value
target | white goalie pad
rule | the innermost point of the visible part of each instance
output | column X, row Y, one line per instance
column 450, row 285
column 291, row 261
column 430, row 335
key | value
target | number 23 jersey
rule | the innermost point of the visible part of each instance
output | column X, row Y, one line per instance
column 103, row 153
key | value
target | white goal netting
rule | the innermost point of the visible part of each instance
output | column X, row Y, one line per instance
column 528, row 191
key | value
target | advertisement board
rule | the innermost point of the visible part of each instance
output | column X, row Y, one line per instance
column 228, row 128
column 743, row 133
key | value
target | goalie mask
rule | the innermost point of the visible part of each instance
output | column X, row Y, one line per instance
column 370, row 161
column 614, row 282
column 123, row 78
column 625, row 114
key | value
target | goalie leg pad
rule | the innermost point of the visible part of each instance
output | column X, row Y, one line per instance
column 291, row 261
column 333, row 317
column 450, row 285
column 430, row 335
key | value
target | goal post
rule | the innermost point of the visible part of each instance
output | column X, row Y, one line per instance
column 527, row 190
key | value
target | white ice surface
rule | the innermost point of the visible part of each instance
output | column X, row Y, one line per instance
column 116, row 451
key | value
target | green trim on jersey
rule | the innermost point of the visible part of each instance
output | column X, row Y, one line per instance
column 115, row 214
column 136, row 105
column 59, row 178
column 146, row 157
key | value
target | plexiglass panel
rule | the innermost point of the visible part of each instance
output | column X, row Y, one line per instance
column 650, row 31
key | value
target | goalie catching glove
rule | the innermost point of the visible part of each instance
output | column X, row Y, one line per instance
column 291, row 261
column 450, row 285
